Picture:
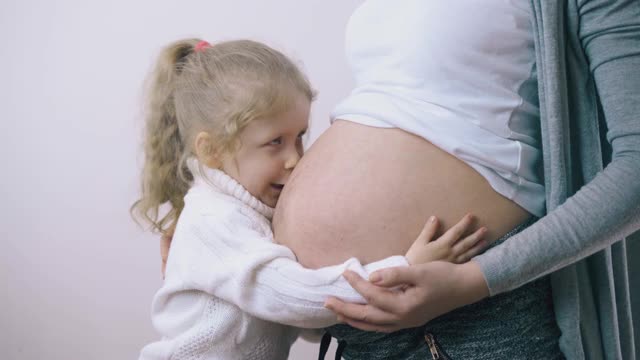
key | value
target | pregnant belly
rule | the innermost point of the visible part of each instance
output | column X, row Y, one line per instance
column 367, row 192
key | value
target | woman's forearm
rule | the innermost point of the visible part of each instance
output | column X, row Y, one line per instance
column 601, row 213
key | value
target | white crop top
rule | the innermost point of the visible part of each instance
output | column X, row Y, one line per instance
column 461, row 74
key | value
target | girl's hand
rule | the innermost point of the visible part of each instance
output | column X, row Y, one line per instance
column 421, row 293
column 165, row 244
column 451, row 246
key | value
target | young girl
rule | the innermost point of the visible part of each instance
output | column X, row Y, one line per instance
column 225, row 126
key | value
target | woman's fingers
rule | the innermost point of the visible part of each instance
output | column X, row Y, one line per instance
column 374, row 295
column 394, row 276
column 362, row 313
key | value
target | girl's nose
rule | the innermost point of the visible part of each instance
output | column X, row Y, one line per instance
column 292, row 160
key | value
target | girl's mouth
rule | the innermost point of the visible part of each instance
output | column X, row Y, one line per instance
column 277, row 186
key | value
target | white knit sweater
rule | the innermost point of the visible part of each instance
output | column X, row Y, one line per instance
column 227, row 283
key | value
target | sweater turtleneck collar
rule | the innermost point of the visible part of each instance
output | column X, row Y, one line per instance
column 225, row 184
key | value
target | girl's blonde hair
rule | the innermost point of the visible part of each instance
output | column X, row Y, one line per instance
column 218, row 89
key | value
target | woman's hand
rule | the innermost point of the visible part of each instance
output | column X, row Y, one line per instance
column 165, row 244
column 405, row 297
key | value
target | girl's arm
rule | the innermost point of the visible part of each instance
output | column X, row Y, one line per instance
column 229, row 260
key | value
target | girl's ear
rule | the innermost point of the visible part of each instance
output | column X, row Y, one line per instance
column 205, row 151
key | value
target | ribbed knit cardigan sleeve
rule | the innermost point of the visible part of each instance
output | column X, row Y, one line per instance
column 607, row 208
column 228, row 256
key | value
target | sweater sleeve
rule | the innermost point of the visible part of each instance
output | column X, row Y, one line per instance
column 607, row 208
column 233, row 261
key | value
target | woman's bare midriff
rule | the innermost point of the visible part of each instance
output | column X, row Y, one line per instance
column 366, row 192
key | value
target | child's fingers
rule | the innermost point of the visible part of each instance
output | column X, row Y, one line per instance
column 419, row 251
column 469, row 254
column 456, row 231
column 468, row 242
column 165, row 244
column 428, row 231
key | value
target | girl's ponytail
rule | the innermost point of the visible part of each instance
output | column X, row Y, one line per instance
column 165, row 178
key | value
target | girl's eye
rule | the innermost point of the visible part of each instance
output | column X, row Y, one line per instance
column 277, row 141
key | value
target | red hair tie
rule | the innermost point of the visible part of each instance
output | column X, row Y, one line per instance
column 201, row 46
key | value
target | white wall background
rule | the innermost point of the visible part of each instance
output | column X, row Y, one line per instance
column 76, row 275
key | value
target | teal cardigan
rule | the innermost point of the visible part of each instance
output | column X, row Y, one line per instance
column 588, row 65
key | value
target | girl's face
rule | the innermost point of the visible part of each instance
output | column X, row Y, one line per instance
column 270, row 149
